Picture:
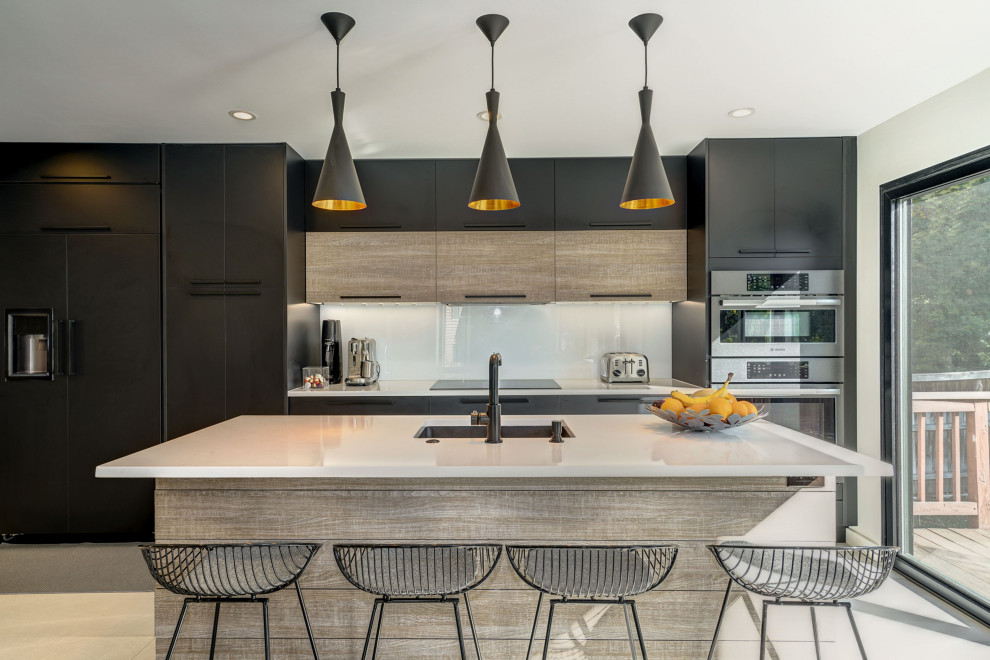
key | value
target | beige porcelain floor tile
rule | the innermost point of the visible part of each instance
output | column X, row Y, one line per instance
column 77, row 615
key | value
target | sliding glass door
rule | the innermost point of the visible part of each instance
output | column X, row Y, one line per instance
column 939, row 365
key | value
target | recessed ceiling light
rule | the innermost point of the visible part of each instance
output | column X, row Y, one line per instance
column 243, row 115
column 483, row 115
column 741, row 112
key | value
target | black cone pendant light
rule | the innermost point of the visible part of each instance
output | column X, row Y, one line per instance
column 339, row 188
column 646, row 185
column 493, row 188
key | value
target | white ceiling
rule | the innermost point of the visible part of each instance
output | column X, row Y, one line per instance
column 416, row 72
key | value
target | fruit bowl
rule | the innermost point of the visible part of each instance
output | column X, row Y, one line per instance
column 693, row 421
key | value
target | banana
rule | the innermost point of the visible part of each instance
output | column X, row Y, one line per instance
column 692, row 400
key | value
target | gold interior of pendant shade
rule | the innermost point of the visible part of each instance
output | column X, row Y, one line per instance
column 493, row 204
column 640, row 204
column 339, row 205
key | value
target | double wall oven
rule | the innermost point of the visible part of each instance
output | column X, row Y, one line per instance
column 780, row 334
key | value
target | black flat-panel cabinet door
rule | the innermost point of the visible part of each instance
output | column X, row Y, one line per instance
column 254, row 221
column 740, row 198
column 78, row 162
column 534, row 184
column 255, row 352
column 588, row 192
column 401, row 196
column 195, row 359
column 808, row 194
column 114, row 376
column 33, row 422
column 192, row 204
column 28, row 208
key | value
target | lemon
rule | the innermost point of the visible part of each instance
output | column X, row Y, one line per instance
column 673, row 405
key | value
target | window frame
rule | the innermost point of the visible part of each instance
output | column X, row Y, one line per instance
column 894, row 336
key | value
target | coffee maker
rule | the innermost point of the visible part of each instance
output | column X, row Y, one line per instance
column 362, row 369
column 332, row 358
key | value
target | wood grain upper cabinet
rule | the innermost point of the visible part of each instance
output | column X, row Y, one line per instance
column 534, row 181
column 495, row 266
column 588, row 191
column 371, row 266
column 621, row 265
column 740, row 198
column 401, row 196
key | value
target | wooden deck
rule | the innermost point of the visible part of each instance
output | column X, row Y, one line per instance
column 961, row 554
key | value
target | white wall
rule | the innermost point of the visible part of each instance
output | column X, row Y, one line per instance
column 562, row 340
column 953, row 123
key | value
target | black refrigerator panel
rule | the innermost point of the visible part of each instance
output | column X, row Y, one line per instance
column 33, row 423
column 113, row 343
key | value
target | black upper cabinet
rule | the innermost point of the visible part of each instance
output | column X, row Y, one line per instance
column 78, row 163
column 776, row 198
column 588, row 191
column 401, row 196
column 808, row 196
column 255, row 197
column 534, row 179
column 740, row 198
column 194, row 244
column 28, row 208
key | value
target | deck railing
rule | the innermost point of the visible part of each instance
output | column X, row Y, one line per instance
column 952, row 455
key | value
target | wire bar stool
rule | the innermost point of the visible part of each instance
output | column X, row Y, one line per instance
column 230, row 573
column 592, row 574
column 815, row 576
column 416, row 574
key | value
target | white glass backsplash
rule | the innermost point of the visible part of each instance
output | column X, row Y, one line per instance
column 562, row 340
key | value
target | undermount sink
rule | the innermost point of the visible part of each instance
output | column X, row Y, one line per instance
column 508, row 431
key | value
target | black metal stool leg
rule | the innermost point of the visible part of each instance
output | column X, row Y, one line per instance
column 639, row 629
column 216, row 622
column 536, row 618
column 460, row 631
column 178, row 625
column 309, row 629
column 814, row 631
column 718, row 624
column 268, row 637
column 546, row 642
column 632, row 643
column 763, row 630
column 852, row 623
column 474, row 632
column 371, row 624
column 378, row 630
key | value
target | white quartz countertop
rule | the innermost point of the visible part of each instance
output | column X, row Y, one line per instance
column 657, row 387
column 346, row 446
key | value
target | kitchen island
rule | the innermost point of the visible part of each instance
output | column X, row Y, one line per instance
column 620, row 479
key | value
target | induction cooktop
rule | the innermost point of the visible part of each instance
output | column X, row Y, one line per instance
column 507, row 384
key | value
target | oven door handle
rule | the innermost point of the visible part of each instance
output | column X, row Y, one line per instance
column 780, row 303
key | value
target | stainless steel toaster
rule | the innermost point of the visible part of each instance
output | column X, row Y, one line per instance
column 624, row 368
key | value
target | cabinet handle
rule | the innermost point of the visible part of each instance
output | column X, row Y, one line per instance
column 624, row 399
column 206, row 282
column 757, row 251
column 379, row 402
column 620, row 224
column 480, row 225
column 475, row 296
column 504, row 399
column 621, row 295
column 242, row 293
column 390, row 297
column 792, row 251
column 371, row 227
column 57, row 352
column 243, row 282
column 201, row 292
column 76, row 228
column 71, row 348
column 93, row 177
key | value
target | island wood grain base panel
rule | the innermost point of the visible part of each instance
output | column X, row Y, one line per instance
column 677, row 619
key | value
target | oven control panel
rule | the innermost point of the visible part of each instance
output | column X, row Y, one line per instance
column 770, row 282
column 778, row 370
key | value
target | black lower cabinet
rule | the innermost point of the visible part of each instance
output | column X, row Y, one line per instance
column 511, row 405
column 360, row 405
column 606, row 404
